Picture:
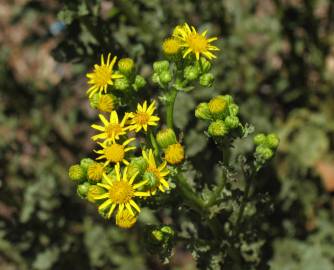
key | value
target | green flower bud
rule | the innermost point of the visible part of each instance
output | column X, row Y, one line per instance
column 166, row 137
column 206, row 80
column 160, row 66
column 76, row 173
column 264, row 152
column 155, row 78
column 138, row 163
column 158, row 235
column 152, row 180
column 233, row 109
column 122, row 84
column 217, row 107
column 228, row 99
column 232, row 122
column 260, row 139
column 82, row 190
column 165, row 76
column 167, row 230
column 272, row 141
column 85, row 162
column 202, row 111
column 126, row 66
column 94, row 191
column 139, row 83
column 217, row 128
column 205, row 64
column 94, row 101
column 191, row 73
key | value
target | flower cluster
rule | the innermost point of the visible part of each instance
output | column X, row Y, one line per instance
column 135, row 153
column 222, row 113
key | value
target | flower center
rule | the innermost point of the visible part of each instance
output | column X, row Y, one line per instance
column 142, row 118
column 102, row 75
column 197, row 42
column 113, row 130
column 95, row 171
column 121, row 192
column 114, row 153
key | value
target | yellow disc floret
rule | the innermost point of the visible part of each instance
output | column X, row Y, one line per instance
column 194, row 42
column 217, row 105
column 95, row 171
column 120, row 192
column 174, row 154
column 102, row 76
column 143, row 117
column 114, row 152
column 106, row 103
column 125, row 219
column 112, row 129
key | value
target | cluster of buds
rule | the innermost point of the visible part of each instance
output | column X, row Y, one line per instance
column 266, row 146
column 222, row 114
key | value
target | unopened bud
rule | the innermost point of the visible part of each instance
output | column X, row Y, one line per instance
column 165, row 76
column 202, row 111
column 139, row 83
column 191, row 73
column 94, row 100
column 166, row 137
column 206, row 80
column 85, row 162
column 232, row 122
column 205, row 64
column 233, row 109
column 76, row 173
column 82, row 189
column 174, row 154
column 94, row 191
column 217, row 107
column 122, row 84
column 260, row 139
column 272, row 141
column 264, row 152
column 217, row 128
column 160, row 66
column 126, row 66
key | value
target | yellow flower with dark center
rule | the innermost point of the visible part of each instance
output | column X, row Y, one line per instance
column 114, row 152
column 102, row 76
column 174, row 154
column 112, row 129
column 95, row 171
column 125, row 219
column 159, row 171
column 193, row 42
column 120, row 193
column 144, row 117
column 171, row 46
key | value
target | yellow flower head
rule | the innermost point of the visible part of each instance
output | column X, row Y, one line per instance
column 159, row 171
column 174, row 154
column 125, row 219
column 194, row 42
column 95, row 171
column 114, row 152
column 144, row 117
column 102, row 76
column 120, row 193
column 112, row 129
column 171, row 46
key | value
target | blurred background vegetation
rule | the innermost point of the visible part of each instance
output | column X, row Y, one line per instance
column 277, row 60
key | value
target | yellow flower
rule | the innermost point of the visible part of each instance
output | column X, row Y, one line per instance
column 174, row 154
column 102, row 76
column 160, row 172
column 125, row 219
column 144, row 117
column 106, row 103
column 95, row 171
column 120, row 193
column 112, row 129
column 114, row 152
column 194, row 42
column 171, row 46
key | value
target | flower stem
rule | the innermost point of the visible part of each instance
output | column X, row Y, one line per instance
column 170, row 108
column 243, row 203
column 154, row 143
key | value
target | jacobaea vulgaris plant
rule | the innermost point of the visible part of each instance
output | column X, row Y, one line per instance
column 140, row 160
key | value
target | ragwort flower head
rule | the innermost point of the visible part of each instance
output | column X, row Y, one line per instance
column 120, row 193
column 193, row 42
column 114, row 152
column 144, row 117
column 159, row 171
column 112, row 129
column 125, row 219
column 102, row 76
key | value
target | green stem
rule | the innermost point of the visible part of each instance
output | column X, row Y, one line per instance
column 214, row 195
column 170, row 108
column 243, row 203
